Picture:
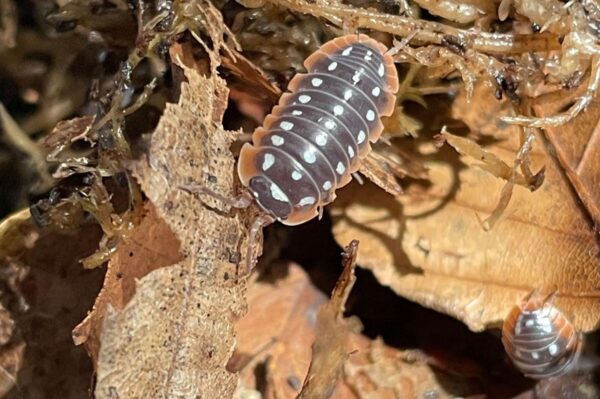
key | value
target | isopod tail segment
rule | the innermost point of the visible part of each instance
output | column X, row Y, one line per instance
column 539, row 339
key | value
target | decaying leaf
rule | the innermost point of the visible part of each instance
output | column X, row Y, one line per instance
column 273, row 353
column 379, row 371
column 163, row 323
column 253, row 92
column 383, row 167
column 332, row 333
column 274, row 339
column 174, row 337
column 431, row 248
column 17, row 233
column 152, row 245
column 44, row 291
column 67, row 131
column 577, row 149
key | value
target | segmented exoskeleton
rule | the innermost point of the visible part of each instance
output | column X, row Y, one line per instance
column 318, row 134
column 539, row 339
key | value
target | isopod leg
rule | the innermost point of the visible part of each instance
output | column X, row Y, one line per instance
column 240, row 201
column 260, row 222
column 358, row 178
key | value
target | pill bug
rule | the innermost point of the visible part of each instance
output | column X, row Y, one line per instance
column 539, row 339
column 312, row 142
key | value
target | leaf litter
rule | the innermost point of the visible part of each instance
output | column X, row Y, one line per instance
column 194, row 300
column 273, row 354
column 128, row 100
column 433, row 249
column 45, row 292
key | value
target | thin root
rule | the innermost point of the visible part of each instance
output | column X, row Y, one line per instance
column 567, row 116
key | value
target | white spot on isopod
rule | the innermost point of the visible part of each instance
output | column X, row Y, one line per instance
column 285, row 125
column 268, row 161
column 340, row 168
column 321, row 139
column 332, row 66
column 329, row 124
column 277, row 194
column 309, row 156
column 368, row 56
column 547, row 329
column 316, row 82
column 347, row 51
column 361, row 136
column 327, row 185
column 307, row 201
column 376, row 90
column 381, row 70
column 356, row 77
column 535, row 355
column 347, row 94
column 296, row 112
column 277, row 140
column 370, row 115
column 351, row 151
column 529, row 323
column 296, row 175
column 553, row 349
column 304, row 98
column 338, row 110
column 544, row 320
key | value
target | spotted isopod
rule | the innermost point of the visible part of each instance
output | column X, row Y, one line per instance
column 539, row 339
column 315, row 139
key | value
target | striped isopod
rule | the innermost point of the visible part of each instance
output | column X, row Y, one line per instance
column 539, row 339
column 316, row 137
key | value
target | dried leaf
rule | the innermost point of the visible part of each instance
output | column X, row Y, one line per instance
column 274, row 339
column 152, row 245
column 254, row 93
column 251, row 74
column 280, row 345
column 378, row 371
column 44, row 292
column 577, row 148
column 17, row 233
column 433, row 250
column 384, row 166
column 379, row 173
column 67, row 131
column 174, row 337
column 11, row 361
column 332, row 333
